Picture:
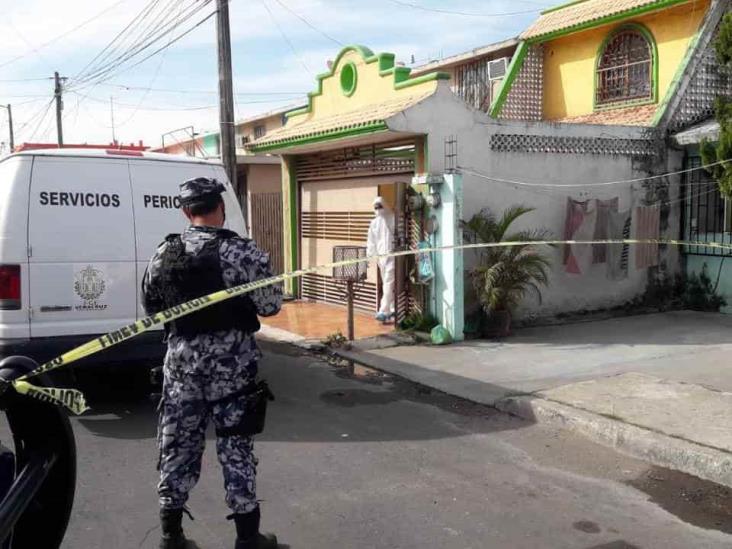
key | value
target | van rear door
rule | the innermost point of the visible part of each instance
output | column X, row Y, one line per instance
column 82, row 246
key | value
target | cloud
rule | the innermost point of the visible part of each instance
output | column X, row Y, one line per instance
column 263, row 59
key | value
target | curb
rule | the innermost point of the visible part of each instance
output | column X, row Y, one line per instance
column 653, row 447
column 656, row 448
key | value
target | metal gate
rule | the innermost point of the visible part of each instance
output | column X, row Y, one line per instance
column 350, row 169
column 266, row 226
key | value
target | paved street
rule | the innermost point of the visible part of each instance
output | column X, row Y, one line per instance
column 362, row 461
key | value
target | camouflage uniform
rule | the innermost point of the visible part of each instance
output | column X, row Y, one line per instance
column 202, row 377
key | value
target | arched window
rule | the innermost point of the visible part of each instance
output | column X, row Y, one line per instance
column 625, row 68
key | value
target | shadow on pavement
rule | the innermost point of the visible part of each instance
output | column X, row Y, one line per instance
column 317, row 402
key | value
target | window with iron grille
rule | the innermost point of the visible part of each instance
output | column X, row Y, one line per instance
column 474, row 84
column 706, row 213
column 259, row 131
column 625, row 69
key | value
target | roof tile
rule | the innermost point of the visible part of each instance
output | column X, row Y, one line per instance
column 363, row 116
column 628, row 116
column 580, row 13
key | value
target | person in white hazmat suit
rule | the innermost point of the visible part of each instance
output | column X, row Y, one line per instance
column 381, row 241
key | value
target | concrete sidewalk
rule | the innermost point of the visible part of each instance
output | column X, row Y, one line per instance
column 658, row 387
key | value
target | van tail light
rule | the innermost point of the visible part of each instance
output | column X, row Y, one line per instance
column 9, row 287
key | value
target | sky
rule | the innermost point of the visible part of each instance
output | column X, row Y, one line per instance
column 278, row 47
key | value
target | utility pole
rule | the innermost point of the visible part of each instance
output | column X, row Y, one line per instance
column 10, row 126
column 111, row 109
column 226, row 104
column 58, row 92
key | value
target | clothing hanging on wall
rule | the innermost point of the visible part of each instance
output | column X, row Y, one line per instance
column 604, row 209
column 647, row 227
column 617, row 254
column 581, row 224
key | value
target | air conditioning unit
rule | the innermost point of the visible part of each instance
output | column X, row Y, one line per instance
column 497, row 69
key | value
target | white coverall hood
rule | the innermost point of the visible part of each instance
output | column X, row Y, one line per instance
column 381, row 241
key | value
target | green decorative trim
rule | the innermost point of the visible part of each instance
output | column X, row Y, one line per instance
column 678, row 76
column 614, row 18
column 349, row 79
column 648, row 35
column 421, row 79
column 562, row 6
column 387, row 67
column 517, row 61
column 327, row 135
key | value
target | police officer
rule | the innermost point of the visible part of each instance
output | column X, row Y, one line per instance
column 211, row 364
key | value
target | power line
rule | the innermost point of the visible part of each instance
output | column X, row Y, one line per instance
column 147, row 92
column 41, row 120
column 591, row 184
column 4, row 80
column 179, row 107
column 197, row 92
column 287, row 39
column 160, row 31
column 308, row 23
column 36, row 115
column 462, row 13
column 106, row 48
column 65, row 34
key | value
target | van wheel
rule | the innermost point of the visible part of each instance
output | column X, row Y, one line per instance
column 43, row 483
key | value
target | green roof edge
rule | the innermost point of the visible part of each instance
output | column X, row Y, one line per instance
column 328, row 135
column 562, row 6
column 678, row 77
column 616, row 17
column 517, row 61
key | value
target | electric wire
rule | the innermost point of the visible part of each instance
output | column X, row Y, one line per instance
column 461, row 13
column 176, row 108
column 308, row 23
column 160, row 32
column 287, row 39
column 147, row 92
column 591, row 184
column 197, row 92
column 101, row 55
column 65, row 33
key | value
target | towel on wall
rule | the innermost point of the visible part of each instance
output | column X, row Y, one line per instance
column 647, row 226
column 604, row 209
column 617, row 254
column 580, row 216
column 580, row 255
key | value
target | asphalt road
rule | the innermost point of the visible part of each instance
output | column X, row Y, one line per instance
column 362, row 461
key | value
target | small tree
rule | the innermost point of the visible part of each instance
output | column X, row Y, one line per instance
column 722, row 150
column 504, row 275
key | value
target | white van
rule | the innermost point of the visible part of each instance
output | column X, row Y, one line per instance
column 77, row 228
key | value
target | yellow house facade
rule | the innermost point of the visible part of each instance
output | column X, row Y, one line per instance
column 602, row 61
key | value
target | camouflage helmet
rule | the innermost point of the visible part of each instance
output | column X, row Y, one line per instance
column 199, row 189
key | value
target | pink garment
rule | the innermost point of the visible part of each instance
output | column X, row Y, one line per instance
column 647, row 226
column 580, row 256
column 580, row 224
column 575, row 216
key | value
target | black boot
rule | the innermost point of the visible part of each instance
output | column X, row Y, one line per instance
column 170, row 522
column 247, row 532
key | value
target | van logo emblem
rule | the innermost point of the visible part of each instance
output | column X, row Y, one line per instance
column 89, row 286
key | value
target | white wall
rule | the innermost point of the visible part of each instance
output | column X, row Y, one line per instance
column 445, row 115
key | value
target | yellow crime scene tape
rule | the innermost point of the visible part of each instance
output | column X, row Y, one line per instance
column 74, row 400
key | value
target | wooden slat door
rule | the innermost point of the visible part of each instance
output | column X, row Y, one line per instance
column 266, row 226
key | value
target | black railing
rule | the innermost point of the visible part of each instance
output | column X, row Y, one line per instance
column 705, row 213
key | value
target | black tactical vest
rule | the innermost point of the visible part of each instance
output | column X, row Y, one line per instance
column 186, row 276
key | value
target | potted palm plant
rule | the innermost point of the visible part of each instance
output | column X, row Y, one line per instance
column 503, row 276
